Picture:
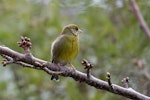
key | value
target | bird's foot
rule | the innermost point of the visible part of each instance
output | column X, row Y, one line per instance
column 57, row 64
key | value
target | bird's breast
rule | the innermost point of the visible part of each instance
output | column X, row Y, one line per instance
column 71, row 48
column 65, row 48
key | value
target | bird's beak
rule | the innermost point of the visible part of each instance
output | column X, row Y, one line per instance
column 80, row 31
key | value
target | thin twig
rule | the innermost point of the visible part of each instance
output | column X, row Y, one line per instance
column 109, row 80
column 88, row 67
column 125, row 82
column 140, row 18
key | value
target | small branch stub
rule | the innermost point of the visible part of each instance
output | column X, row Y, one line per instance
column 7, row 60
column 88, row 67
column 25, row 44
column 125, row 82
column 109, row 80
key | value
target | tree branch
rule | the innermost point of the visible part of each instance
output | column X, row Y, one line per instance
column 140, row 18
column 51, row 68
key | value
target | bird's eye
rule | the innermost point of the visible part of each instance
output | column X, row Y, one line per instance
column 76, row 28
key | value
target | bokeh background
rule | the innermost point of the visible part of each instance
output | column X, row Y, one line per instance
column 112, row 40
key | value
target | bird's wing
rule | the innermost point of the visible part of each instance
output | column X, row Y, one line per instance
column 57, row 47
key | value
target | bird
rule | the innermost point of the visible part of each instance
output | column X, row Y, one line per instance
column 65, row 47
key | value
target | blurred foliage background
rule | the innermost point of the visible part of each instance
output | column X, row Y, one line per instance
column 112, row 40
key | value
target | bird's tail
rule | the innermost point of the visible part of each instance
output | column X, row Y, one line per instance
column 55, row 77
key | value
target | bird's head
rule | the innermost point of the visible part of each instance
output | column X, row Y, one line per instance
column 71, row 29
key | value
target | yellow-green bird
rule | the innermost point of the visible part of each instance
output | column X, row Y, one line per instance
column 65, row 47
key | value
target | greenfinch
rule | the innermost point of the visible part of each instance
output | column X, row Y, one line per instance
column 65, row 47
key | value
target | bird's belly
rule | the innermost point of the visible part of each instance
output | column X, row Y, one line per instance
column 68, row 53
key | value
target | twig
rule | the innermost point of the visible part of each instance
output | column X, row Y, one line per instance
column 25, row 44
column 7, row 60
column 140, row 18
column 88, row 67
column 125, row 82
column 109, row 80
